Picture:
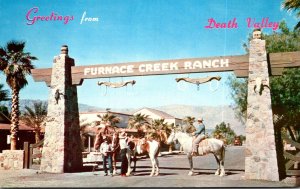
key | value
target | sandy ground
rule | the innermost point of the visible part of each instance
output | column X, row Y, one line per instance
column 173, row 173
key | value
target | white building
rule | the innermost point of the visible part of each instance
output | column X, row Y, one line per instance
column 157, row 114
column 91, row 117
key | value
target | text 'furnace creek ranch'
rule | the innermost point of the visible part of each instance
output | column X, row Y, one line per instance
column 156, row 67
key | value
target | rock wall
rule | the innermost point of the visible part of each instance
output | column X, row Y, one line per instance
column 12, row 160
column 261, row 158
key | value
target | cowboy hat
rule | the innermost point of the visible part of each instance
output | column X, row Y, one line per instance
column 200, row 119
column 122, row 135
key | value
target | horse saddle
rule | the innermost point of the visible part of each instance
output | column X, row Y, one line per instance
column 203, row 147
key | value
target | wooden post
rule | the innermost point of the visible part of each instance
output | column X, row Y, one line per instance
column 89, row 149
column 26, row 155
column 30, row 155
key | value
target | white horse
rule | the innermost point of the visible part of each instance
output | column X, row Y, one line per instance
column 206, row 146
column 144, row 146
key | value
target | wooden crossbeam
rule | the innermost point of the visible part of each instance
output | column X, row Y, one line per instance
column 291, row 156
column 238, row 64
column 292, row 142
column 292, row 172
column 291, row 163
column 291, row 133
column 279, row 61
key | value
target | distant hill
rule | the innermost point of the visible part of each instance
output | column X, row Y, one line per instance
column 24, row 102
column 212, row 115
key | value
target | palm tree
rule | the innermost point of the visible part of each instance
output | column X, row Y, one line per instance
column 137, row 121
column 4, row 94
column 35, row 117
column 166, row 129
column 111, row 118
column 16, row 65
column 189, row 122
column 158, row 124
column 83, row 132
column 155, row 128
column 292, row 5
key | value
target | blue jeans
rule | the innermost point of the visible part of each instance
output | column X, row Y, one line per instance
column 107, row 159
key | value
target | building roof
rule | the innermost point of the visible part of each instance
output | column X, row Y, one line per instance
column 158, row 112
column 104, row 112
column 22, row 127
column 5, row 124
column 4, row 118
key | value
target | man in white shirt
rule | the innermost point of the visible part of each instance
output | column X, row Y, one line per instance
column 123, row 147
column 105, row 150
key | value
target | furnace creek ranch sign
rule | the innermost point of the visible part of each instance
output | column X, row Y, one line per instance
column 156, row 67
column 239, row 64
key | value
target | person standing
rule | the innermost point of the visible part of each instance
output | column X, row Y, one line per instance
column 199, row 135
column 124, row 148
column 106, row 151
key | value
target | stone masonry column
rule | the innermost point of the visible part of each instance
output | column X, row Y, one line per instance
column 261, row 158
column 62, row 145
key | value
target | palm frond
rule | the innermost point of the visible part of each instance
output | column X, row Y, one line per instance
column 15, row 46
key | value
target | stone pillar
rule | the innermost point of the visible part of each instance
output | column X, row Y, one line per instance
column 261, row 157
column 62, row 145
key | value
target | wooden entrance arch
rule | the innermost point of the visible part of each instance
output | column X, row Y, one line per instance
column 61, row 151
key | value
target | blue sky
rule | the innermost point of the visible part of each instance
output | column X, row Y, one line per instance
column 136, row 30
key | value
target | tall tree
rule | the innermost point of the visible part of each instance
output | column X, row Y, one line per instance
column 137, row 121
column 189, row 124
column 292, row 5
column 35, row 117
column 158, row 124
column 16, row 65
column 225, row 131
column 111, row 118
column 83, row 133
column 238, row 93
column 165, row 132
column 4, row 96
